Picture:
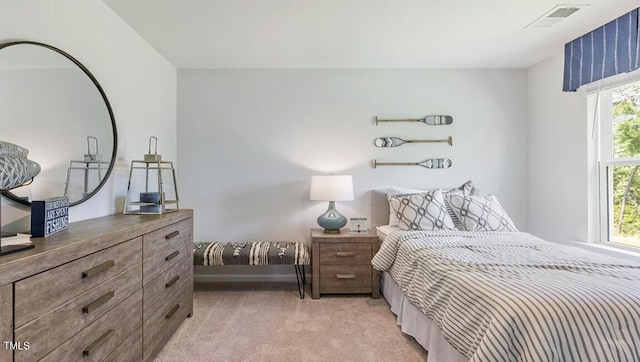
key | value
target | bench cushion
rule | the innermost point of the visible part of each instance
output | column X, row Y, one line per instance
column 251, row 253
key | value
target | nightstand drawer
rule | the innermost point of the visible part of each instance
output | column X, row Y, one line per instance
column 345, row 253
column 341, row 263
column 345, row 279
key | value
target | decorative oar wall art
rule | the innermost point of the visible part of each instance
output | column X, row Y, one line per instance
column 395, row 141
column 432, row 120
column 431, row 163
column 428, row 163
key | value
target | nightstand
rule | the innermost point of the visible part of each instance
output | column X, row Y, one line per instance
column 341, row 263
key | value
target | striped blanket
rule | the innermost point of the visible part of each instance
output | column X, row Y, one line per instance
column 509, row 296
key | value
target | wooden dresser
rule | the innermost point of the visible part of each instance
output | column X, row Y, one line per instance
column 113, row 288
column 341, row 263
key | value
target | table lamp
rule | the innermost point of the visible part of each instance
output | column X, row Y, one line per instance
column 332, row 188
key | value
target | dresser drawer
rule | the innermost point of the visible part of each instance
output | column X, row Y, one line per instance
column 159, row 262
column 345, row 253
column 102, row 337
column 48, row 331
column 161, row 240
column 41, row 293
column 164, row 322
column 130, row 350
column 162, row 286
column 345, row 279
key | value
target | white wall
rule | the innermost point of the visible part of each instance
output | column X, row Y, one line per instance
column 140, row 84
column 39, row 100
column 557, row 137
column 250, row 140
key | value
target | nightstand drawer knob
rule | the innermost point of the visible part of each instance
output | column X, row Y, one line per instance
column 345, row 276
column 345, row 253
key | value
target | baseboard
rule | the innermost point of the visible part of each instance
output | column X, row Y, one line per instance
column 244, row 278
column 245, row 273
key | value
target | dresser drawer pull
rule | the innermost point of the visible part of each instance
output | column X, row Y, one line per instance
column 172, row 255
column 96, row 343
column 172, row 281
column 172, row 311
column 98, row 269
column 98, row 302
column 172, row 234
column 345, row 253
column 345, row 276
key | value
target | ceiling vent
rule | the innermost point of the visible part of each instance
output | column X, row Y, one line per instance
column 554, row 16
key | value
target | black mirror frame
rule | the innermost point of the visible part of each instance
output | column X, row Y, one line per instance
column 86, row 71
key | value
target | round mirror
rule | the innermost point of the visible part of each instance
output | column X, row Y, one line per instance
column 53, row 106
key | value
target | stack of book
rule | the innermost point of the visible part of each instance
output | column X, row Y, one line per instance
column 14, row 239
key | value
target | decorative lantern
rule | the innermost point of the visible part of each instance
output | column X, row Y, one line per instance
column 88, row 172
column 152, row 185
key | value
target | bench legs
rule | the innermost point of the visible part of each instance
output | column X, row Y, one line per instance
column 301, row 278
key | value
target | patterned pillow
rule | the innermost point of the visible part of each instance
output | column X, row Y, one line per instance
column 424, row 211
column 396, row 190
column 465, row 189
column 478, row 213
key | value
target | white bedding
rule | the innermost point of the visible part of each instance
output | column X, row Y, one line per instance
column 414, row 323
column 504, row 296
column 385, row 230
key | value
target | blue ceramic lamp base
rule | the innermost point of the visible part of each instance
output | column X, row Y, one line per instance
column 332, row 220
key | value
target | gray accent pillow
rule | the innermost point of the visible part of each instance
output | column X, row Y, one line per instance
column 423, row 211
column 15, row 168
column 480, row 213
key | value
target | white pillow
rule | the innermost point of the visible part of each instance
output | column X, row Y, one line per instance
column 480, row 213
column 423, row 211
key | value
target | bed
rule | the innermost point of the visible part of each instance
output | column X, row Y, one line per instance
column 504, row 295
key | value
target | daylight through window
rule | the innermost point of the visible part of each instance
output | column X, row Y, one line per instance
column 620, row 164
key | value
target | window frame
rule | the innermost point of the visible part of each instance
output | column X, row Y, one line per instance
column 606, row 162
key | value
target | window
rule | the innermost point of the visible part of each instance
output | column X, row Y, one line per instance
column 619, row 180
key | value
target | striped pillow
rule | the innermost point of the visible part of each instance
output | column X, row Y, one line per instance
column 465, row 189
column 423, row 211
column 480, row 213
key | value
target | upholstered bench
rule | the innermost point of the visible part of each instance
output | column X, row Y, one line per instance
column 255, row 253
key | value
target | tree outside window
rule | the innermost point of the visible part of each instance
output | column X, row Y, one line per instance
column 624, row 173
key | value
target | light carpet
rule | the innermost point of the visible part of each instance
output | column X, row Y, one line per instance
column 269, row 322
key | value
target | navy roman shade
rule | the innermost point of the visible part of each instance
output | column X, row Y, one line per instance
column 611, row 49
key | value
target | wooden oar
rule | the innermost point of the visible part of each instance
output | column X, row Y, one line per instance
column 395, row 141
column 432, row 120
column 428, row 163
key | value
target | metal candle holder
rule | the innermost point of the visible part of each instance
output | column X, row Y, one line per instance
column 152, row 198
column 92, row 162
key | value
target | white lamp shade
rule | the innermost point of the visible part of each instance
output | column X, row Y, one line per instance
column 332, row 188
